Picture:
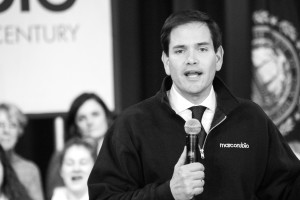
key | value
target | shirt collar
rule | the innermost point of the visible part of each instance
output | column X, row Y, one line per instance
column 179, row 103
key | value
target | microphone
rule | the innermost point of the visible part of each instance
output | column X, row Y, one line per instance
column 192, row 128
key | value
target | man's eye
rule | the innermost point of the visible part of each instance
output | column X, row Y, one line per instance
column 179, row 51
column 203, row 49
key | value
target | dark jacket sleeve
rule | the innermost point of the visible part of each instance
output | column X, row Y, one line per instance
column 282, row 173
column 118, row 172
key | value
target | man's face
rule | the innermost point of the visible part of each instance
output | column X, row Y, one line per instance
column 192, row 61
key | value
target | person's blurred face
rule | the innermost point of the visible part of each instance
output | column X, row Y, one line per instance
column 1, row 175
column 192, row 61
column 76, row 167
column 91, row 119
column 9, row 131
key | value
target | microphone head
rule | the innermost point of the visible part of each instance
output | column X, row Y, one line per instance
column 192, row 126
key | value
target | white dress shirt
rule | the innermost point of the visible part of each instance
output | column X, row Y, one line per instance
column 181, row 106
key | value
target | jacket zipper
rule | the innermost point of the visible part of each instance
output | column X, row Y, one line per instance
column 202, row 149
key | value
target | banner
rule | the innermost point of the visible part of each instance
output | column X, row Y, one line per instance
column 53, row 50
column 276, row 63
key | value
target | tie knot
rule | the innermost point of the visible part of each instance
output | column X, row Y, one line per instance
column 197, row 112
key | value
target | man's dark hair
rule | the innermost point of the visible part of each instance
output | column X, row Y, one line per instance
column 185, row 17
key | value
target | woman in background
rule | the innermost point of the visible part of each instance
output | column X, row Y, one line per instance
column 88, row 118
column 77, row 160
column 12, row 124
column 10, row 186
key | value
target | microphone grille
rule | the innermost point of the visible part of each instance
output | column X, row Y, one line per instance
column 192, row 126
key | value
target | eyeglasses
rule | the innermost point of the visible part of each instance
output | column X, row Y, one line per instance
column 11, row 126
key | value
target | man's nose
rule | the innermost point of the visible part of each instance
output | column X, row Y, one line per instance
column 191, row 58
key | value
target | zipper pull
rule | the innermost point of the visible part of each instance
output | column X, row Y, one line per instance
column 202, row 153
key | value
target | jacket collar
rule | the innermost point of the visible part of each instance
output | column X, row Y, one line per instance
column 226, row 101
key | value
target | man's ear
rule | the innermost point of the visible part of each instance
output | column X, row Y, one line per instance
column 165, row 60
column 219, row 56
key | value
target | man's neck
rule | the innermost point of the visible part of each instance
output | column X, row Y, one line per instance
column 196, row 98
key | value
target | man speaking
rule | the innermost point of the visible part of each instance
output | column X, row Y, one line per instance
column 144, row 155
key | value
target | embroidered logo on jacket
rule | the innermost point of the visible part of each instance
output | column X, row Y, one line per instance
column 238, row 146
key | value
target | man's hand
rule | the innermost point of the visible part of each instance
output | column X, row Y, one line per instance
column 187, row 180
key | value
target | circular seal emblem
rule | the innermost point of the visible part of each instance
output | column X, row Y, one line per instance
column 276, row 69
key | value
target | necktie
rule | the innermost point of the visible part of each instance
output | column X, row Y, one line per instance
column 197, row 112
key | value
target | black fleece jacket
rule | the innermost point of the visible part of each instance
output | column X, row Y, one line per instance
column 246, row 158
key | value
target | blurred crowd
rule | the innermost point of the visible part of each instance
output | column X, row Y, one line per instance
column 87, row 122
